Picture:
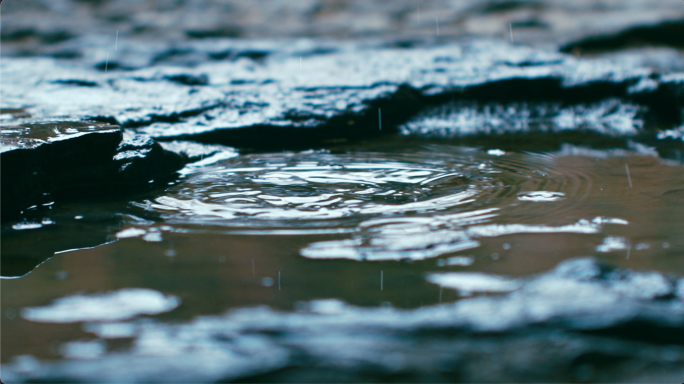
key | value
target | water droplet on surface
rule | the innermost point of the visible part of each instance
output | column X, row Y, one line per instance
column 267, row 282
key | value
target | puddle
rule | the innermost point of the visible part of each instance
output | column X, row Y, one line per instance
column 583, row 303
column 184, row 205
column 286, row 229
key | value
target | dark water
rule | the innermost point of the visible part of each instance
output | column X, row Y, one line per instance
column 375, row 191
column 369, row 224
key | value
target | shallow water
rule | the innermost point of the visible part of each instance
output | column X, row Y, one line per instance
column 365, row 223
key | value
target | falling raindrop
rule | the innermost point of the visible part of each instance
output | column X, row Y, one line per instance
column 380, row 119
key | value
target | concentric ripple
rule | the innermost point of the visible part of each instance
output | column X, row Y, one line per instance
column 314, row 189
column 415, row 202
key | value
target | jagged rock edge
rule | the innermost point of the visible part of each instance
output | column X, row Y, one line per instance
column 662, row 101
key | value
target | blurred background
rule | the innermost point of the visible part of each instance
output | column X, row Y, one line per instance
column 31, row 25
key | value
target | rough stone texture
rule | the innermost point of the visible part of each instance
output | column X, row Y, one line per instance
column 140, row 159
column 581, row 322
column 274, row 104
column 44, row 161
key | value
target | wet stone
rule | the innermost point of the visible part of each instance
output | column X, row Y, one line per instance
column 41, row 159
column 391, row 169
column 582, row 319
column 199, row 154
column 45, row 161
column 610, row 117
column 607, row 25
column 276, row 104
column 140, row 159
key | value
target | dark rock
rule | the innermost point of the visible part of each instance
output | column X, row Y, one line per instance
column 666, row 33
column 582, row 321
column 41, row 159
column 42, row 162
column 140, row 159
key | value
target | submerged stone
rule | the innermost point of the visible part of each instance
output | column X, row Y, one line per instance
column 581, row 321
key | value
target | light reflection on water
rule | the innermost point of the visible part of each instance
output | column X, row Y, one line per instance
column 319, row 189
column 231, row 233
column 413, row 203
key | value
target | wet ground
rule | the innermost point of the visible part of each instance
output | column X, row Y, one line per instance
column 468, row 210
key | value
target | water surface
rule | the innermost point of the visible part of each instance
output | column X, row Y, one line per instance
column 363, row 223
